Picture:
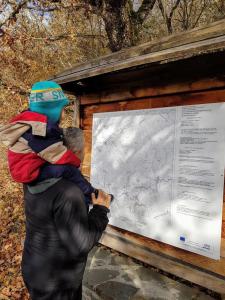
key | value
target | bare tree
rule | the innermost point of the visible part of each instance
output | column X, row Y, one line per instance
column 190, row 12
column 218, row 7
column 168, row 13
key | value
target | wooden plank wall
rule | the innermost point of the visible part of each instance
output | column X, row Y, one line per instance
column 206, row 91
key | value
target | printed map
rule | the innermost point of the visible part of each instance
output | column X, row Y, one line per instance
column 133, row 159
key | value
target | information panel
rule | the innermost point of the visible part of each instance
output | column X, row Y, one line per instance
column 165, row 168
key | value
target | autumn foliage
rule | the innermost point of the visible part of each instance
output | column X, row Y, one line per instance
column 41, row 38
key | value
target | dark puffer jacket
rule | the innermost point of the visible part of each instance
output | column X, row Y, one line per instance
column 59, row 234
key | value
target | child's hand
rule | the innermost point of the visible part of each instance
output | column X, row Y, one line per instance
column 103, row 198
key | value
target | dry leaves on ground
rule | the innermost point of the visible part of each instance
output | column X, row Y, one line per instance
column 12, row 232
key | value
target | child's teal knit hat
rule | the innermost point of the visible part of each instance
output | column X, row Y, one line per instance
column 47, row 98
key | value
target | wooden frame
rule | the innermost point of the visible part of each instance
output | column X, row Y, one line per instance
column 190, row 266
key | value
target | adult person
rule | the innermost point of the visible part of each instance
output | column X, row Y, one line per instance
column 60, row 232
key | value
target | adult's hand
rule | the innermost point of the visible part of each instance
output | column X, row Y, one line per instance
column 103, row 198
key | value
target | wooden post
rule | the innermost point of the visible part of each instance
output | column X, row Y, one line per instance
column 76, row 113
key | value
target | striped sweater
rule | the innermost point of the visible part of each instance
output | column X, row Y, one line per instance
column 32, row 141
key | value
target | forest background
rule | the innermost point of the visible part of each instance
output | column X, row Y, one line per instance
column 42, row 38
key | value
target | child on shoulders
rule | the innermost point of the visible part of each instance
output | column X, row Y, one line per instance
column 36, row 151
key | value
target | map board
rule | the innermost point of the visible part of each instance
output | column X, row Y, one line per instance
column 165, row 168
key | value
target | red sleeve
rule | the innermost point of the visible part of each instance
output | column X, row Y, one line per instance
column 69, row 158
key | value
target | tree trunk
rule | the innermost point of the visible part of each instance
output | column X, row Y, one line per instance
column 169, row 25
column 122, row 23
column 117, row 24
